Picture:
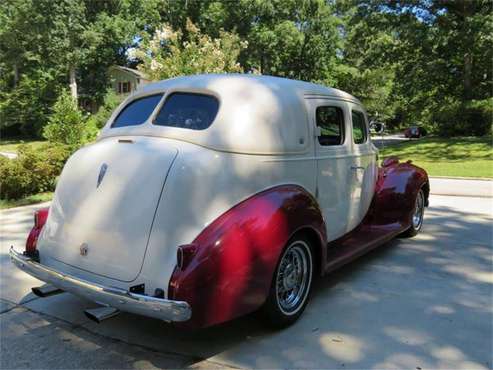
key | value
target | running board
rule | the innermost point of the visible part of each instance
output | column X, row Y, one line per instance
column 46, row 291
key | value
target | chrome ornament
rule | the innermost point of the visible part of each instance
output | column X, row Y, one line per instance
column 102, row 172
column 83, row 249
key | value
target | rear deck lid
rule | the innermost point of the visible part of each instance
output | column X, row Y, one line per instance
column 104, row 205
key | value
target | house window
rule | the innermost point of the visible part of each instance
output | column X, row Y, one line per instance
column 124, row 87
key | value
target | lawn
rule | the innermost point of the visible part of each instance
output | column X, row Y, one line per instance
column 10, row 145
column 30, row 199
column 454, row 157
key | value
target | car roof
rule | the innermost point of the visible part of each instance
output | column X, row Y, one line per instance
column 214, row 82
column 257, row 114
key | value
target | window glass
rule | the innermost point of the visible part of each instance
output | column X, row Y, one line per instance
column 187, row 110
column 137, row 111
column 359, row 127
column 331, row 122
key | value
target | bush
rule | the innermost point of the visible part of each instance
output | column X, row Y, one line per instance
column 111, row 101
column 473, row 118
column 33, row 171
column 66, row 123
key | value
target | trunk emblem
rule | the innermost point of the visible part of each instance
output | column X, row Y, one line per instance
column 83, row 249
column 102, row 172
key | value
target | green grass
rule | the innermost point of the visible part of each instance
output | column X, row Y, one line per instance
column 31, row 199
column 453, row 157
column 10, row 145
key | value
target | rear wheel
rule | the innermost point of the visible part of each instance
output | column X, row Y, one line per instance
column 417, row 217
column 291, row 284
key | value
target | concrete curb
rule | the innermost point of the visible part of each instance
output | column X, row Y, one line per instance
column 461, row 178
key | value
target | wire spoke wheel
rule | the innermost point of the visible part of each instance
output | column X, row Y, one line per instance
column 293, row 277
column 418, row 211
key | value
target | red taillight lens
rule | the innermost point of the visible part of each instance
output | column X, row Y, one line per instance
column 184, row 255
column 40, row 217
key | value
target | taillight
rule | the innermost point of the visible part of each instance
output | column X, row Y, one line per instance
column 40, row 217
column 184, row 255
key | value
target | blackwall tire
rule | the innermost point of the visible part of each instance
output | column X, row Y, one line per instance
column 291, row 284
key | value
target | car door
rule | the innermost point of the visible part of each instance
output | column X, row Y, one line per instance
column 363, row 166
column 334, row 158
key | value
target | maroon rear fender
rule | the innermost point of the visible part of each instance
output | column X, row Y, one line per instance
column 236, row 255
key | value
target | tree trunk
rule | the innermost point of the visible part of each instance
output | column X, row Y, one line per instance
column 16, row 75
column 467, row 76
column 468, row 44
column 73, row 83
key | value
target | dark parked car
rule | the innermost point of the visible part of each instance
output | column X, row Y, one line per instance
column 415, row 132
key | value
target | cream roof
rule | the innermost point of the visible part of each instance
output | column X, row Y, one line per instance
column 257, row 114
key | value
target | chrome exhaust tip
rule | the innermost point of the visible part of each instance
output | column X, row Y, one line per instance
column 46, row 290
column 101, row 313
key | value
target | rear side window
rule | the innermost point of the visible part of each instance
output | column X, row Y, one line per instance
column 359, row 127
column 331, row 122
column 137, row 111
column 187, row 110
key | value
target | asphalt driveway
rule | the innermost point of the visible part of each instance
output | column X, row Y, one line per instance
column 413, row 303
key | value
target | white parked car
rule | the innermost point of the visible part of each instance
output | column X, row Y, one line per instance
column 209, row 197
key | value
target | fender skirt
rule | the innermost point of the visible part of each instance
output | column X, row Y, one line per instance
column 234, row 257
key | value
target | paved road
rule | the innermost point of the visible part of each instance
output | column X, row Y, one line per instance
column 459, row 187
column 382, row 141
column 414, row 303
column 9, row 155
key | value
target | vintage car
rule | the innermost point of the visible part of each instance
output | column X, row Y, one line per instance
column 213, row 196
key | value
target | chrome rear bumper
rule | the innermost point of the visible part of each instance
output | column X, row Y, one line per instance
column 121, row 299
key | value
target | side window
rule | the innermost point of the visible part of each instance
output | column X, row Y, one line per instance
column 331, row 123
column 359, row 127
column 137, row 111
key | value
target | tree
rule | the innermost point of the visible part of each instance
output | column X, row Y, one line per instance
column 66, row 123
column 168, row 54
column 48, row 45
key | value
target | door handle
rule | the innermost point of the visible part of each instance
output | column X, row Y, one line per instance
column 357, row 168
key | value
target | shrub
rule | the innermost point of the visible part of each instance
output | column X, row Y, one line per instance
column 111, row 101
column 66, row 123
column 33, row 171
column 473, row 118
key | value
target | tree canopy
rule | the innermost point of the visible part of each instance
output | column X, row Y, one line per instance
column 422, row 62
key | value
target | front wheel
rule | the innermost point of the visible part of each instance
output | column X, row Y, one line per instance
column 417, row 217
column 291, row 284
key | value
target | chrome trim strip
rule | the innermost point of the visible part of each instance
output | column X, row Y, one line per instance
column 121, row 299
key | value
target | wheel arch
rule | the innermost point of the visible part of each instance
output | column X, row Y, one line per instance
column 236, row 255
column 317, row 245
column 395, row 193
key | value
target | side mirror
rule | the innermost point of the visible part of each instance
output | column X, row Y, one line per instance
column 379, row 127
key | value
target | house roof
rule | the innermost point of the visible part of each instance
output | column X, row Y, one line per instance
column 132, row 71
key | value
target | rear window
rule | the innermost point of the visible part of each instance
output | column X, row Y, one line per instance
column 187, row 110
column 137, row 112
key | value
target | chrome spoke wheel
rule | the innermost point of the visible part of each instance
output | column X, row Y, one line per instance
column 418, row 211
column 293, row 277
